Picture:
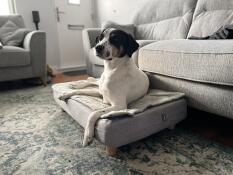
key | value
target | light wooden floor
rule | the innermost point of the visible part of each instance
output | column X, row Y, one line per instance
column 59, row 78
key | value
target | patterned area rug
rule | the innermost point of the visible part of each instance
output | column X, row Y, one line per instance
column 36, row 137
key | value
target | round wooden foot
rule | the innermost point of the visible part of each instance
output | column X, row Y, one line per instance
column 43, row 81
column 111, row 151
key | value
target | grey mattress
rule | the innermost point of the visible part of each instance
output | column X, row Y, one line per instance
column 123, row 130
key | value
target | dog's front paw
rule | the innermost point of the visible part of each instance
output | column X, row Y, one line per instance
column 88, row 137
column 74, row 86
column 91, row 79
column 86, row 141
column 78, row 85
column 64, row 96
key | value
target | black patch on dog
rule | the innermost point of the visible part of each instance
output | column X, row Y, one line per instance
column 100, row 37
column 132, row 45
column 124, row 41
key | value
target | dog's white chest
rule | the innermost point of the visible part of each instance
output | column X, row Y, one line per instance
column 109, row 86
column 103, row 85
column 105, row 89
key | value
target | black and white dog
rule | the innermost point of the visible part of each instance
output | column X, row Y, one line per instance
column 121, row 82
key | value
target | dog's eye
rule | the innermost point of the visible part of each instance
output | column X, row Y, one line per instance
column 97, row 39
column 101, row 37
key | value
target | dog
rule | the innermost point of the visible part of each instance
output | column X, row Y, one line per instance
column 121, row 82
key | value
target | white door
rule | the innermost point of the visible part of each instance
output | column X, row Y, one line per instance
column 72, row 17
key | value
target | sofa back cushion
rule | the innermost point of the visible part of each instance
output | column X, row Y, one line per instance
column 163, row 19
column 210, row 15
column 16, row 19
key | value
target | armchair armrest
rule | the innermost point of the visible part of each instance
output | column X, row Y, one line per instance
column 32, row 36
column 89, row 37
column 35, row 43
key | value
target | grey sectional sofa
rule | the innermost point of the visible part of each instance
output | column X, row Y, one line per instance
column 28, row 61
column 203, row 69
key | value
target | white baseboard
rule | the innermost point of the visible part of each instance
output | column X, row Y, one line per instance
column 72, row 68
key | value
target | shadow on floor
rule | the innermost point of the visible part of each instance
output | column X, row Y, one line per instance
column 75, row 73
column 19, row 84
column 217, row 128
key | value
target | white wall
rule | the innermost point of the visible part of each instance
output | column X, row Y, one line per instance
column 47, row 24
column 120, row 11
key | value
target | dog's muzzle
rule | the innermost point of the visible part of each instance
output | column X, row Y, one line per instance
column 99, row 50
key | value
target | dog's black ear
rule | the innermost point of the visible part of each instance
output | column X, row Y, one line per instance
column 132, row 45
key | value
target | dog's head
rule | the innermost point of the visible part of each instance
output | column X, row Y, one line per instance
column 112, row 43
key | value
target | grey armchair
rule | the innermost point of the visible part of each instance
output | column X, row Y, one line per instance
column 24, row 62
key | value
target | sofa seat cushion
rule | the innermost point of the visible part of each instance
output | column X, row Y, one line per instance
column 209, row 61
column 11, row 56
column 141, row 43
column 97, row 61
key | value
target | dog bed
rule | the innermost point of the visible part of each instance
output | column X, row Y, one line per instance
column 156, row 111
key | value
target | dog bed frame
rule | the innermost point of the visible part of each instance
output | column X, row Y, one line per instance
column 121, row 130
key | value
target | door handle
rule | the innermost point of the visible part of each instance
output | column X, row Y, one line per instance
column 58, row 12
column 76, row 26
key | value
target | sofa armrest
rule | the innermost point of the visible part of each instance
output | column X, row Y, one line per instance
column 89, row 39
column 35, row 43
column 141, row 43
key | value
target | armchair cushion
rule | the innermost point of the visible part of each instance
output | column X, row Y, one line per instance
column 17, row 19
column 11, row 56
column 7, row 29
column 12, row 35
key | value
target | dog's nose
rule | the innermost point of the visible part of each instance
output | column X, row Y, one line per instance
column 99, row 48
